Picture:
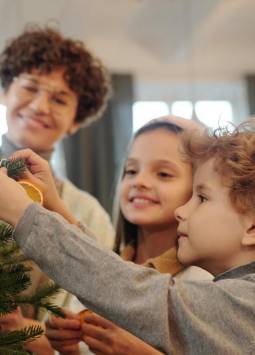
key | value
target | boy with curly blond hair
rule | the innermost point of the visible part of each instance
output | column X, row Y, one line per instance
column 216, row 231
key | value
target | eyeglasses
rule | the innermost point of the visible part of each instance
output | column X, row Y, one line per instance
column 30, row 87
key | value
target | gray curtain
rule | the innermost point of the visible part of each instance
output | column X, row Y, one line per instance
column 94, row 154
column 250, row 87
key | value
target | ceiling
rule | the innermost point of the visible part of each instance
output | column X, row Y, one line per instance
column 173, row 40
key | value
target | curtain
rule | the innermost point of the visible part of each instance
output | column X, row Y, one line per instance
column 93, row 155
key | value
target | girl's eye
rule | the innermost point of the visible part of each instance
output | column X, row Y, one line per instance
column 164, row 174
column 129, row 172
column 202, row 198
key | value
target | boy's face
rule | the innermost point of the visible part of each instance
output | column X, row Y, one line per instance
column 210, row 231
column 41, row 109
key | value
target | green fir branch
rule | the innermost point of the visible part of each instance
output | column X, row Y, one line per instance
column 5, row 232
column 41, row 298
column 8, row 351
column 57, row 311
column 15, row 167
column 17, row 337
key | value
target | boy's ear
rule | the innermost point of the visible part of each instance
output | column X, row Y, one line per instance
column 249, row 235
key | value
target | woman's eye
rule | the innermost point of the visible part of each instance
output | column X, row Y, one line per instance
column 30, row 88
column 202, row 198
column 58, row 100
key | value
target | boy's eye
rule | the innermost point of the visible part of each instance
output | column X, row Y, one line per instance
column 202, row 198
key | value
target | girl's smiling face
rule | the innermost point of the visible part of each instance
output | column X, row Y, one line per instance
column 156, row 180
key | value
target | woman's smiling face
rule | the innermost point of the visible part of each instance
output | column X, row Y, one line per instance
column 41, row 109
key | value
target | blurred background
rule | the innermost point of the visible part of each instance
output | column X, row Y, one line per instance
column 193, row 58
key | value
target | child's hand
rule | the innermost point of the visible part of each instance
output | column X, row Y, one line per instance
column 64, row 334
column 13, row 321
column 16, row 321
column 40, row 175
column 13, row 199
column 104, row 337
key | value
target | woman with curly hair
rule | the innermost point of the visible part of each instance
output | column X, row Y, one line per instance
column 52, row 85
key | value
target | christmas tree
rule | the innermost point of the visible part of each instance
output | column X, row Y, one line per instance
column 14, row 279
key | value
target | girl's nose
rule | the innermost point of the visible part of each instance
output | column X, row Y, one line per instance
column 141, row 180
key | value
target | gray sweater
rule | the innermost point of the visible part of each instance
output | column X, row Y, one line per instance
column 177, row 317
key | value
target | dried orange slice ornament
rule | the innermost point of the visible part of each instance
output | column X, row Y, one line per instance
column 83, row 313
column 33, row 192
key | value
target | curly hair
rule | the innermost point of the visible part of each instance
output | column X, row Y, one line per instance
column 234, row 160
column 46, row 50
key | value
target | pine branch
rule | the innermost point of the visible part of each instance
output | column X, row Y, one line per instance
column 14, row 278
column 41, row 299
column 17, row 337
column 57, row 311
column 5, row 232
column 9, row 351
column 15, row 167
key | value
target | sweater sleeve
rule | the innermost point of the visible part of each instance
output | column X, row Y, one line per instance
column 173, row 316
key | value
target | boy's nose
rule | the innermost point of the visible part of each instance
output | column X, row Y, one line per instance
column 41, row 103
column 179, row 213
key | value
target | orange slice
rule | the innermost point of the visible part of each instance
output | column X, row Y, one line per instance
column 33, row 192
column 83, row 313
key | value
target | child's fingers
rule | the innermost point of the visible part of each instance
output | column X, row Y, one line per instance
column 97, row 332
column 93, row 318
column 97, row 346
column 63, row 323
column 35, row 162
column 3, row 171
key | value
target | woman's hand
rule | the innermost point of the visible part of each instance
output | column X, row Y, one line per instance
column 104, row 337
column 39, row 173
column 16, row 321
column 65, row 334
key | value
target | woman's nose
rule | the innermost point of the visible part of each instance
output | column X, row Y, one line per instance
column 41, row 103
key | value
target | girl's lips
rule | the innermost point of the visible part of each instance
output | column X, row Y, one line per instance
column 143, row 198
column 142, row 202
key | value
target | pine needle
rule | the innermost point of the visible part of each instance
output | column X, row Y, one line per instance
column 15, row 167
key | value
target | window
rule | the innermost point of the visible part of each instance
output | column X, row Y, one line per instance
column 144, row 111
column 182, row 108
column 214, row 113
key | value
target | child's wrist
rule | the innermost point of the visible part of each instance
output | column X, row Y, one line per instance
column 18, row 212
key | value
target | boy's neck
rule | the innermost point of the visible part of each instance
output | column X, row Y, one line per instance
column 216, row 268
column 154, row 243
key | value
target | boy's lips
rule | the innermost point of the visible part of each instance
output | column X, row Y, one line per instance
column 181, row 234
